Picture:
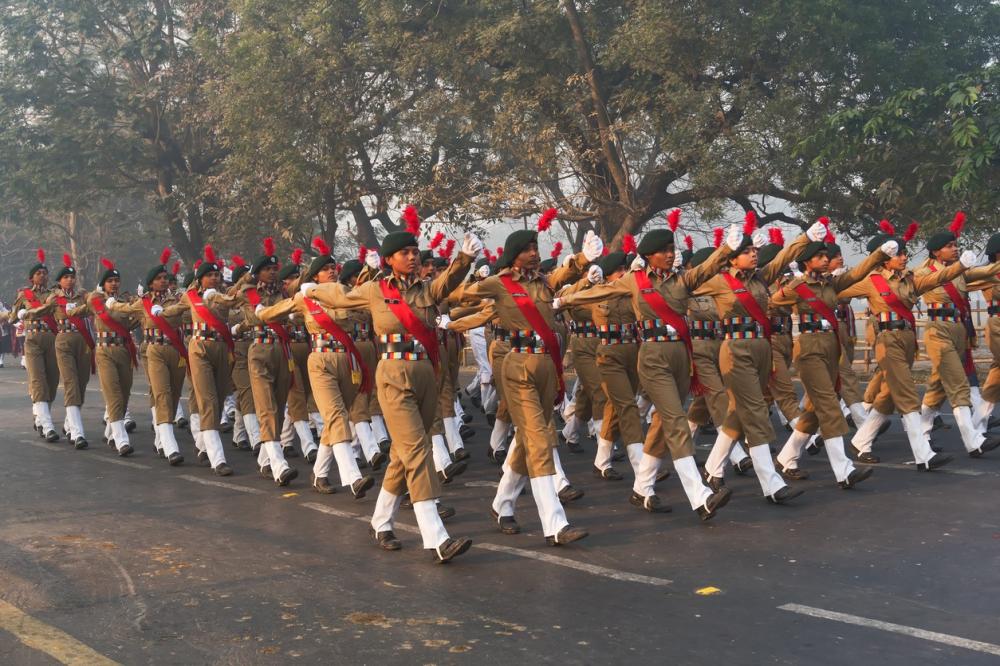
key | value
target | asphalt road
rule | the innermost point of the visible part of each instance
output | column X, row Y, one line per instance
column 136, row 562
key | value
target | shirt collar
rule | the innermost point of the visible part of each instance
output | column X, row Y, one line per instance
column 663, row 274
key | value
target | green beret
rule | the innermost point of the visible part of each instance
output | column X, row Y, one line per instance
column 65, row 270
column 440, row 262
column 655, row 241
column 350, row 270
column 767, row 254
column 833, row 250
column 426, row 255
column 239, row 272
column 289, row 270
column 37, row 267
column 686, row 257
column 205, row 268
column 939, row 240
column 108, row 274
column 515, row 245
column 993, row 247
column 699, row 256
column 317, row 264
column 395, row 242
column 547, row 265
column 153, row 272
column 811, row 250
column 482, row 262
column 262, row 262
column 876, row 242
column 612, row 262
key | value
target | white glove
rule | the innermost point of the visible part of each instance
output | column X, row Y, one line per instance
column 21, row 314
column 444, row 320
column 109, row 301
column 568, row 260
column 306, row 286
column 256, row 310
column 156, row 310
column 816, row 232
column 890, row 247
column 595, row 275
column 759, row 239
column 678, row 260
column 139, row 291
column 292, row 316
column 209, row 293
column 638, row 264
column 472, row 246
column 593, row 246
column 556, row 303
column 373, row 259
column 794, row 268
column 839, row 271
column 484, row 271
column 235, row 329
column 968, row 259
column 734, row 237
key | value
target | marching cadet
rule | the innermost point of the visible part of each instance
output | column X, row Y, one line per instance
column 741, row 294
column 404, row 311
column 813, row 297
column 780, row 389
column 532, row 376
column 74, row 346
column 39, row 347
column 991, row 387
column 850, row 385
column 269, row 361
column 209, row 355
column 164, row 351
column 659, row 297
column 892, row 290
column 116, row 354
column 245, row 408
column 297, row 412
column 337, row 373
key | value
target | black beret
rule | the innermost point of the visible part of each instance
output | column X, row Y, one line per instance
column 440, row 262
column 686, row 257
column 395, row 242
column 939, row 240
column 317, row 264
column 108, row 274
column 65, row 270
column 876, row 242
column 993, row 247
column 426, row 255
column 239, row 272
column 699, row 256
column 655, row 241
column 350, row 270
column 811, row 250
column 37, row 267
column 289, row 270
column 263, row 261
column 153, row 272
column 767, row 254
column 547, row 265
column 515, row 245
column 482, row 262
column 611, row 262
column 833, row 250
column 205, row 268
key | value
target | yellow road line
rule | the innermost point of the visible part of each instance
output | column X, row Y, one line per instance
column 45, row 638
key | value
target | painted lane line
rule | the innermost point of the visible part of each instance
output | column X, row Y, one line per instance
column 45, row 638
column 223, row 484
column 946, row 639
column 67, row 447
column 573, row 564
column 322, row 508
column 124, row 463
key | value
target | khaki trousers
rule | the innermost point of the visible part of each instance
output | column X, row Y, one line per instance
column 210, row 379
column 301, row 389
column 895, row 352
column 714, row 403
column 114, row 370
column 817, row 357
column 166, row 380
column 270, row 378
column 73, row 357
column 584, row 351
column 335, row 391
column 780, row 388
column 498, row 352
column 531, row 385
column 407, row 393
column 991, row 387
column 43, row 369
column 665, row 373
column 361, row 406
column 850, row 386
column 618, row 365
column 746, row 369
column 241, row 378
column 945, row 343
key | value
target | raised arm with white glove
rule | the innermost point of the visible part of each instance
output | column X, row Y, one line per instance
column 816, row 232
column 759, row 239
column 890, row 247
column 595, row 274
column 638, row 263
column 472, row 246
column 373, row 260
column 593, row 246
column 734, row 237
column 968, row 259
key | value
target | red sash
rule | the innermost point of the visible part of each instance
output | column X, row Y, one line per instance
column 962, row 304
column 413, row 324
column 209, row 318
column 169, row 332
column 659, row 305
column 526, row 305
column 892, row 300
column 81, row 328
column 33, row 301
column 748, row 302
column 97, row 304
column 823, row 310
column 340, row 335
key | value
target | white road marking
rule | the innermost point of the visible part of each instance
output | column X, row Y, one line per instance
column 124, row 463
column 223, row 484
column 946, row 639
column 573, row 564
column 67, row 447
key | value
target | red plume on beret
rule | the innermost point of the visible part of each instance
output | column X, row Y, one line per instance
column 297, row 256
column 957, row 224
column 269, row 247
column 165, row 256
column 437, row 240
column 321, row 245
column 545, row 221
column 775, row 236
column 829, row 238
column 911, row 232
column 176, row 268
column 488, row 255
column 209, row 254
column 688, row 243
column 197, row 264
column 717, row 236
column 67, row 260
column 749, row 223
column 237, row 261
column 556, row 250
column 40, row 253
column 606, row 251
column 885, row 226
column 674, row 219
column 449, row 248
column 628, row 244
column 499, row 250
column 412, row 219
column 824, row 220
column 362, row 252
column 108, row 264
